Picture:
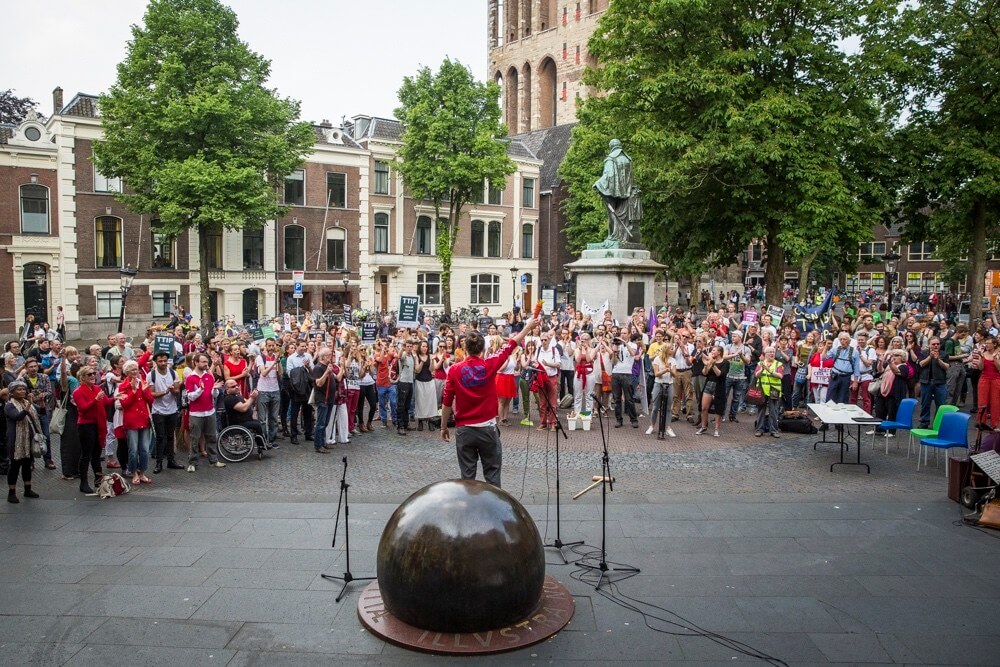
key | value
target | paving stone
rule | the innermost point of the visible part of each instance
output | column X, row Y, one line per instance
column 137, row 575
column 17, row 654
column 38, row 599
column 344, row 637
column 237, row 557
column 270, row 606
column 854, row 648
column 113, row 656
column 47, row 629
column 169, row 556
column 165, row 632
column 146, row 601
column 271, row 579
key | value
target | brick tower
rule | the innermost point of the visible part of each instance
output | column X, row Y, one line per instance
column 537, row 54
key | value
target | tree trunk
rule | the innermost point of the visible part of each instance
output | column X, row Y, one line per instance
column 807, row 263
column 975, row 279
column 774, row 272
column 207, row 325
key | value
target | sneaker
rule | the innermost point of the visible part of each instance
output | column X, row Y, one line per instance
column 701, row 429
column 870, row 432
column 527, row 422
column 716, row 433
column 671, row 433
column 649, row 431
column 757, row 434
column 775, row 435
column 218, row 464
column 191, row 467
column 890, row 435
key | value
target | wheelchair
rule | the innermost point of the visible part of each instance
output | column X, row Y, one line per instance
column 237, row 443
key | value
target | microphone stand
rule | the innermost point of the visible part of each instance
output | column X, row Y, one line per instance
column 348, row 577
column 607, row 483
column 558, row 544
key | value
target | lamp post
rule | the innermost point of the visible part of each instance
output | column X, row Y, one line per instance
column 568, row 276
column 513, row 286
column 891, row 259
column 346, row 277
column 127, row 275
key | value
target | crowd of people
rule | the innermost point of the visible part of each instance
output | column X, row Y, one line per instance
column 144, row 408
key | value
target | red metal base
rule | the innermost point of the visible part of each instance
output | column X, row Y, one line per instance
column 553, row 612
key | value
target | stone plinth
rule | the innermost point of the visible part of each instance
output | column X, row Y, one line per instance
column 623, row 275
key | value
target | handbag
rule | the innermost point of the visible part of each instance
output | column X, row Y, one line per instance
column 875, row 386
column 57, row 421
column 755, row 395
column 605, row 379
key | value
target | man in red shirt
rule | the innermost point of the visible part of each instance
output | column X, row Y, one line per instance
column 470, row 389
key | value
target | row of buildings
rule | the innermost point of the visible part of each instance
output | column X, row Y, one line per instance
column 350, row 227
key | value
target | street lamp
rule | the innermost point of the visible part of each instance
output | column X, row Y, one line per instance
column 513, row 285
column 346, row 277
column 39, row 275
column 891, row 259
column 127, row 275
column 568, row 276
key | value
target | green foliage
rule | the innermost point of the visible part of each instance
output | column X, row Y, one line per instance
column 192, row 128
column 13, row 109
column 744, row 122
column 944, row 64
column 453, row 141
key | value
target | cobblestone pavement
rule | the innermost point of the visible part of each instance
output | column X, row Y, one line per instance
column 386, row 467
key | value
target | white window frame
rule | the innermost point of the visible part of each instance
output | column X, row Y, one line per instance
column 336, row 234
column 284, row 190
column 327, row 198
column 868, row 252
column 924, row 255
column 476, row 286
column 48, row 207
column 432, row 246
column 472, row 237
column 167, row 300
column 489, row 226
column 388, row 178
column 121, row 241
column 531, row 251
column 104, row 184
column 111, row 302
column 423, row 283
column 284, row 249
column 524, row 190
column 375, row 236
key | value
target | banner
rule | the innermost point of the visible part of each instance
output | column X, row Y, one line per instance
column 808, row 318
column 164, row 344
column 369, row 332
column 409, row 307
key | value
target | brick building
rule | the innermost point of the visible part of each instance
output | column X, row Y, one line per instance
column 497, row 232
column 350, row 228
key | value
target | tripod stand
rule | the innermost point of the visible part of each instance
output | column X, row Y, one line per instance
column 348, row 577
column 558, row 544
column 607, row 483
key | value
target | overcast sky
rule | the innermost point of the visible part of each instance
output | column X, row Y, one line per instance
column 338, row 58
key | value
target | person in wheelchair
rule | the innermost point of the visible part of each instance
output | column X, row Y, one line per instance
column 239, row 410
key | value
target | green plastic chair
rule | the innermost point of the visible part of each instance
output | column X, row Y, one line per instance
column 921, row 433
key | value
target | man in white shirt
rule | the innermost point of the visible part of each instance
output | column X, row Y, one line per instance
column 269, row 390
column 866, row 357
column 166, row 388
column 683, row 390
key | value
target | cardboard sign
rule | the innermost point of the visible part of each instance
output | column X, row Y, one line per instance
column 776, row 314
column 408, row 316
column 484, row 323
column 749, row 317
column 164, row 344
column 287, row 320
column 369, row 332
column 256, row 334
column 348, row 315
column 821, row 376
column 267, row 331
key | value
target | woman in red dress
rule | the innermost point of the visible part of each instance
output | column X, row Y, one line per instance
column 235, row 367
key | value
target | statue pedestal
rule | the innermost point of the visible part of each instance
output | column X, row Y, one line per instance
column 622, row 275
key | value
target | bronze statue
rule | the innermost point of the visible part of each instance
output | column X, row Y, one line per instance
column 621, row 198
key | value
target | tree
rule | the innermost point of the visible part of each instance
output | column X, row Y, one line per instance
column 944, row 63
column 744, row 122
column 192, row 129
column 453, row 141
column 13, row 109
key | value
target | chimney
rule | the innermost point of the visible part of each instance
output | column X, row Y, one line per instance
column 57, row 100
column 326, row 123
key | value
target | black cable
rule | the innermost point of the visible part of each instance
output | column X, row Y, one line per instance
column 687, row 628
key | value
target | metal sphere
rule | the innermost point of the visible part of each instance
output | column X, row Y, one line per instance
column 461, row 556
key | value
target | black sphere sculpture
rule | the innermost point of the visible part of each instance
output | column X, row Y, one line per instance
column 460, row 556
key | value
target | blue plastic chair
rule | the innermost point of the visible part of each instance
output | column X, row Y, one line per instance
column 903, row 422
column 954, row 432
